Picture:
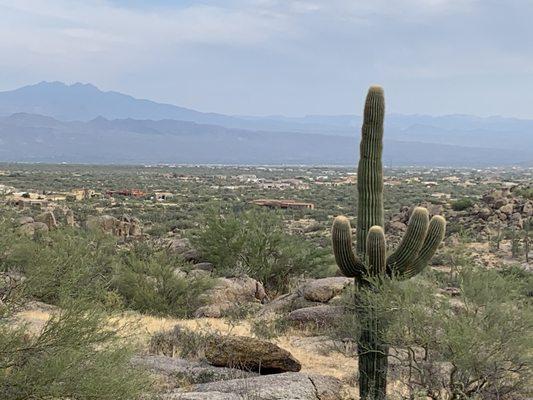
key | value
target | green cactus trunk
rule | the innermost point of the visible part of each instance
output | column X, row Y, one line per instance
column 369, row 263
column 372, row 351
column 373, row 362
column 370, row 169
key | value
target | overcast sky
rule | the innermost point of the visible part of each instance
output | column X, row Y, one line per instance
column 290, row 57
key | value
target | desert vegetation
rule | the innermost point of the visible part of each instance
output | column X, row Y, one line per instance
column 171, row 282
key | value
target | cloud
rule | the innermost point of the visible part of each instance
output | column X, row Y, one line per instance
column 103, row 24
column 278, row 56
column 93, row 38
column 107, row 23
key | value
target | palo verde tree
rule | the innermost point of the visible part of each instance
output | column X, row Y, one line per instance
column 369, row 263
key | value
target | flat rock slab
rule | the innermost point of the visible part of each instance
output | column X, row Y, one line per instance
column 175, row 371
column 250, row 354
column 205, row 396
column 319, row 315
column 323, row 290
column 287, row 386
column 286, row 303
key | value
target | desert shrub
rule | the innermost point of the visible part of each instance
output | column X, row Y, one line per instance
column 65, row 264
column 472, row 346
column 147, row 282
column 69, row 264
column 462, row 204
column 270, row 328
column 238, row 312
column 255, row 243
column 526, row 192
column 77, row 355
column 521, row 276
column 180, row 342
column 453, row 258
column 7, row 242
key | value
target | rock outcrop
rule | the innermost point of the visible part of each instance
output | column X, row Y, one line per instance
column 323, row 290
column 241, row 352
column 124, row 227
column 502, row 208
column 175, row 371
column 204, row 266
column 178, row 245
column 313, row 292
column 32, row 228
column 231, row 292
column 24, row 220
column 250, row 354
column 320, row 316
column 397, row 224
column 497, row 210
column 183, row 247
column 47, row 218
column 69, row 217
column 291, row 385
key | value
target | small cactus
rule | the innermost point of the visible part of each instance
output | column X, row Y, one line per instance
column 369, row 260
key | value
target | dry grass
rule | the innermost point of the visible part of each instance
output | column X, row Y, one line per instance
column 34, row 319
column 305, row 349
column 312, row 359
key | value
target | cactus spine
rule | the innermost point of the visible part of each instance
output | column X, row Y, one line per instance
column 369, row 259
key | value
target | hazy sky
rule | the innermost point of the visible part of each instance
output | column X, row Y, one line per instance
column 289, row 57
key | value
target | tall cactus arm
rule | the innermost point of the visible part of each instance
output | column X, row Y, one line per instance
column 413, row 240
column 376, row 251
column 370, row 169
column 349, row 264
column 434, row 237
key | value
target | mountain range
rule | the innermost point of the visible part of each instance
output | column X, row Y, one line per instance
column 55, row 122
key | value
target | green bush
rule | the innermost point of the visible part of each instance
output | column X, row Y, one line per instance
column 476, row 345
column 77, row 355
column 67, row 264
column 180, row 342
column 148, row 283
column 255, row 243
column 526, row 192
column 270, row 328
column 462, row 204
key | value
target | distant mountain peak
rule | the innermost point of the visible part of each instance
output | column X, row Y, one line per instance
column 84, row 102
column 28, row 118
column 47, row 83
column 87, row 103
column 85, row 86
column 99, row 119
column 58, row 85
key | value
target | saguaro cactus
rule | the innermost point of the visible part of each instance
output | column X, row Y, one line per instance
column 369, row 261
